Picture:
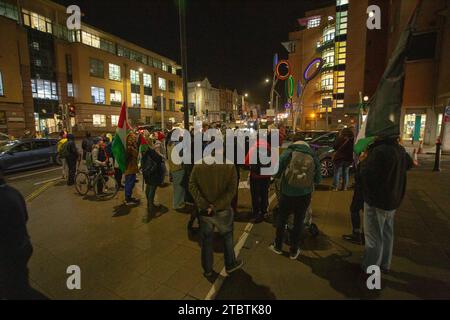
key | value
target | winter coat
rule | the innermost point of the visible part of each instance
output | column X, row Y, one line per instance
column 383, row 174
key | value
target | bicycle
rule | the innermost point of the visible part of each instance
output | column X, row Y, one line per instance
column 100, row 180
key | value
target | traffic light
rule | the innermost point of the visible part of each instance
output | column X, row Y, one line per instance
column 71, row 111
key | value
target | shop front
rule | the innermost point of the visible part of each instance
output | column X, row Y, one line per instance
column 414, row 127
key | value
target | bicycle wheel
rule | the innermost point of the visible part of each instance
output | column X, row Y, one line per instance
column 82, row 183
column 105, row 187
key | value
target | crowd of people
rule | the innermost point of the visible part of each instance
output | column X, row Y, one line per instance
column 209, row 193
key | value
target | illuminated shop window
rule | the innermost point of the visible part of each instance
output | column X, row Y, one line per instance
column 99, row 120
column 114, row 120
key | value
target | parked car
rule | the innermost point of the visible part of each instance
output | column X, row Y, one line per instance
column 323, row 145
column 29, row 153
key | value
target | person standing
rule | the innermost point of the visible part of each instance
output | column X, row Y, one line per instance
column 357, row 206
column 60, row 148
column 259, row 183
column 177, row 175
column 383, row 176
column 15, row 246
column 299, row 171
column 131, row 169
column 71, row 158
column 343, row 158
column 153, row 175
column 86, row 145
column 213, row 187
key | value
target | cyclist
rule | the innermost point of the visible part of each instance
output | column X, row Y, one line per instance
column 100, row 160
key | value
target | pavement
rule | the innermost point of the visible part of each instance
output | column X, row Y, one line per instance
column 122, row 258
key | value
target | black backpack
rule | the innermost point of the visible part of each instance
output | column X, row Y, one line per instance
column 149, row 168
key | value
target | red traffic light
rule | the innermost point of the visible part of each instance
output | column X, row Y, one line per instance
column 72, row 111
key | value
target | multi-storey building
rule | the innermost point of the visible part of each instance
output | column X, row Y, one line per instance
column 212, row 104
column 356, row 57
column 44, row 67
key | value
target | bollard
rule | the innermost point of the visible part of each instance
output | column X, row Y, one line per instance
column 437, row 159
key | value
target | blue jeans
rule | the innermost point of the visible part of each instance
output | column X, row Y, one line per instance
column 223, row 221
column 379, row 236
column 178, row 188
column 341, row 169
column 130, row 181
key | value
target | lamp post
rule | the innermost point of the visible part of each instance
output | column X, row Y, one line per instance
column 182, row 18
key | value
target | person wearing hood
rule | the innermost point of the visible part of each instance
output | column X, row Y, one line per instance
column 299, row 171
column 71, row 158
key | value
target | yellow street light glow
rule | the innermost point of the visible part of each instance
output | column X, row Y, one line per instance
column 140, row 69
column 366, row 98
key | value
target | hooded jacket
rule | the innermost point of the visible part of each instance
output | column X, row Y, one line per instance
column 285, row 158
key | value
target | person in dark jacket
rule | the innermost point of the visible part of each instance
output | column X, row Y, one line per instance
column 383, row 176
column 86, row 145
column 343, row 158
column 259, row 183
column 72, row 158
column 357, row 206
column 15, row 246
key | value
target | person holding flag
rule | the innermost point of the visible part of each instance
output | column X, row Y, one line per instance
column 125, row 151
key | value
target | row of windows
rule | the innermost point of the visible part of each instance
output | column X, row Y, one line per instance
column 97, row 70
column 44, row 89
column 313, row 23
column 41, row 23
column 9, row 11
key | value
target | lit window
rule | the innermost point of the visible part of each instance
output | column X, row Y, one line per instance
column 36, row 21
column 135, row 99
column 70, row 89
column 44, row 89
column 115, row 96
column 147, row 80
column 1, row 85
column 341, row 2
column 148, row 102
column 35, row 45
column 114, row 120
column 96, row 68
column 313, row 23
column 162, row 84
column 99, row 120
column 134, row 77
column 174, row 70
column 164, row 67
column 114, row 72
column 98, row 95
column 90, row 39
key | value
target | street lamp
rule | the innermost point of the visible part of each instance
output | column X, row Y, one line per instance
column 141, row 70
column 366, row 98
column 246, row 95
column 267, row 80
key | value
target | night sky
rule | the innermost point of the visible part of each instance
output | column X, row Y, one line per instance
column 231, row 42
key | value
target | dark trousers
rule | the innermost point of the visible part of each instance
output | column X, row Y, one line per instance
column 118, row 176
column 72, row 165
column 234, row 202
column 297, row 206
column 356, row 206
column 259, row 189
column 223, row 222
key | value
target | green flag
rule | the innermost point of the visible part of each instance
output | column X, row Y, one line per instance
column 385, row 106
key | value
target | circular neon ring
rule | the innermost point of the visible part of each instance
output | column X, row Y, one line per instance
column 316, row 72
column 290, row 87
column 277, row 70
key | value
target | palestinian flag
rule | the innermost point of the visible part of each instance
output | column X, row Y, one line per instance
column 385, row 106
column 119, row 144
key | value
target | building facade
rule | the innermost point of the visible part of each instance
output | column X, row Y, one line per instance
column 46, row 68
column 212, row 104
column 356, row 57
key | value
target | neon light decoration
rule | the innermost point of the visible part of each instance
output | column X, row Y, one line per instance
column 277, row 70
column 316, row 72
column 290, row 87
column 275, row 61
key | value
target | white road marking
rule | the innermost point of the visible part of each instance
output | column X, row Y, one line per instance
column 237, row 249
column 32, row 174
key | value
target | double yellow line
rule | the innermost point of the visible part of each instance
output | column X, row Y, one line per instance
column 39, row 191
